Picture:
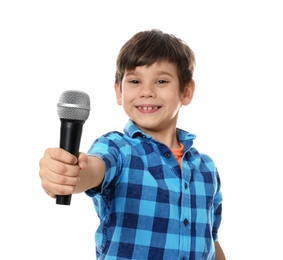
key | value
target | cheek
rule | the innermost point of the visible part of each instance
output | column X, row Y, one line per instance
column 173, row 97
column 128, row 96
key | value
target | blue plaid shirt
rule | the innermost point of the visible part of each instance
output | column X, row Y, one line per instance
column 150, row 208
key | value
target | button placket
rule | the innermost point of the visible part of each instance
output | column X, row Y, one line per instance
column 186, row 222
column 167, row 155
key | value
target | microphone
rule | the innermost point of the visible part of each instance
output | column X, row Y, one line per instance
column 73, row 110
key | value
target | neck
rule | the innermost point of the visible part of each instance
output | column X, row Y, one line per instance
column 167, row 137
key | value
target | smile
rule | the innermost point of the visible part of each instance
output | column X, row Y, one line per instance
column 148, row 107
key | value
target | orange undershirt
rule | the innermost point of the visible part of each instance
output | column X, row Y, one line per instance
column 178, row 153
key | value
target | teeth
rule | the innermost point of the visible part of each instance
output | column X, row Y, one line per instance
column 148, row 108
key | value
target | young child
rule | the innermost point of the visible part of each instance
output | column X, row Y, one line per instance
column 156, row 196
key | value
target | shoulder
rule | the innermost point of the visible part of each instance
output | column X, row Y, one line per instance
column 110, row 140
column 114, row 142
column 113, row 138
column 203, row 156
column 202, row 160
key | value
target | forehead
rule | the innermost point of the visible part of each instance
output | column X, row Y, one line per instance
column 162, row 67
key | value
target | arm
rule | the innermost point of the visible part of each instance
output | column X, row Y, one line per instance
column 219, row 252
column 62, row 173
column 92, row 176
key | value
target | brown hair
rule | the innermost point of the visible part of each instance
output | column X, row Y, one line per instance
column 148, row 47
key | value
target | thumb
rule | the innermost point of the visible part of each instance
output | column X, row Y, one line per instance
column 82, row 161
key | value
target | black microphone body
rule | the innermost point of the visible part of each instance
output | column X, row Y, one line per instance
column 70, row 138
column 73, row 110
column 70, row 135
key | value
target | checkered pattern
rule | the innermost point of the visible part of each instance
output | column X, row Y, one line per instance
column 148, row 207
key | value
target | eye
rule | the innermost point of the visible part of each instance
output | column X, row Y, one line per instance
column 161, row 81
column 134, row 81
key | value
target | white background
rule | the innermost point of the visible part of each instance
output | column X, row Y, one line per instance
column 47, row 47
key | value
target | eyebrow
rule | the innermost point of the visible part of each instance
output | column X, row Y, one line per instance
column 159, row 73
column 164, row 73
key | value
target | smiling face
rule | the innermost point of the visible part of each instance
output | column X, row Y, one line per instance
column 150, row 96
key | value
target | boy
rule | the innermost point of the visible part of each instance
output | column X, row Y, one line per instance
column 156, row 196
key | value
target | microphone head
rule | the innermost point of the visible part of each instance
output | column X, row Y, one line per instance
column 73, row 105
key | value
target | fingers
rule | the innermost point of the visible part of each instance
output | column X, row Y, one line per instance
column 58, row 172
column 61, row 155
column 53, row 189
column 52, row 195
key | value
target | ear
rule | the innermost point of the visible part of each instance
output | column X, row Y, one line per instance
column 118, row 90
column 187, row 95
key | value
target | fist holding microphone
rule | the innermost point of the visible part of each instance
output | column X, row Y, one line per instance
column 60, row 167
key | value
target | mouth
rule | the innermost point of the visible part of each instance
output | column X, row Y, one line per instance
column 148, row 108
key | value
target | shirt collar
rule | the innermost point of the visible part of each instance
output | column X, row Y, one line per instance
column 183, row 136
column 132, row 130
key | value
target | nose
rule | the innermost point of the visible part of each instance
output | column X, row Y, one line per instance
column 147, row 91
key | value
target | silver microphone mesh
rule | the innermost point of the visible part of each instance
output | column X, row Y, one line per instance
column 73, row 105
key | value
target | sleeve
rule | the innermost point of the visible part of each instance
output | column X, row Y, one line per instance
column 217, row 205
column 108, row 151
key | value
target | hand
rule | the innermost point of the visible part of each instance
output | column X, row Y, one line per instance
column 59, row 171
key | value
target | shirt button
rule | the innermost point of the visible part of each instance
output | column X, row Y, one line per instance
column 167, row 155
column 186, row 222
column 186, row 185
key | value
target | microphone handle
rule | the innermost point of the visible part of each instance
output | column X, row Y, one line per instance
column 70, row 138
